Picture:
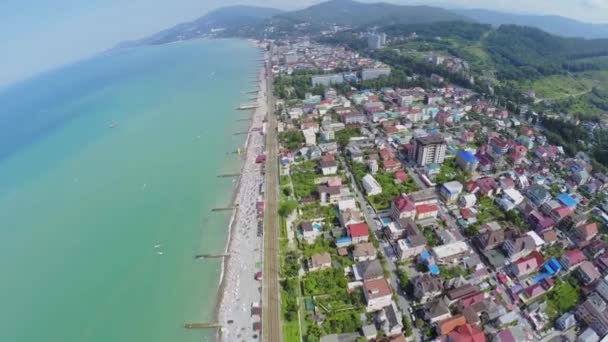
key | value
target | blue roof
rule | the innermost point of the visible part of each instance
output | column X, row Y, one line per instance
column 567, row 200
column 467, row 156
column 425, row 256
column 345, row 239
column 434, row 269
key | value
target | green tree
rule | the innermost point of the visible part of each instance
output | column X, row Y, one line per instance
column 287, row 207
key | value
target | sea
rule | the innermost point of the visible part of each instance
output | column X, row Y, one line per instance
column 108, row 173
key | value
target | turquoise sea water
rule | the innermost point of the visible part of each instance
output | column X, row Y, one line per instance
column 82, row 205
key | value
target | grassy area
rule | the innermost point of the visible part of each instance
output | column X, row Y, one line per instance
column 303, row 178
column 291, row 331
column 558, row 86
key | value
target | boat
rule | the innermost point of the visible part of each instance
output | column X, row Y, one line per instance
column 159, row 253
column 157, row 246
column 112, row 125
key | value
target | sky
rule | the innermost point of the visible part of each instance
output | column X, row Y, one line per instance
column 40, row 35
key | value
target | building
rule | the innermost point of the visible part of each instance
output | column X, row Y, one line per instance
column 376, row 41
column 572, row 258
column 372, row 73
column 364, row 251
column 378, row 294
column 426, row 287
column 358, row 232
column 594, row 313
column 565, row 321
column 310, row 231
column 467, row 161
column 451, row 252
column 319, row 262
column 510, row 199
column 519, row 247
column 368, row 270
column 429, row 149
column 403, row 207
column 390, row 321
column 327, row 80
column 310, row 137
column 467, row 333
column 538, row 194
column 328, row 167
column 588, row 336
column 450, row 191
column 587, row 273
column 371, row 185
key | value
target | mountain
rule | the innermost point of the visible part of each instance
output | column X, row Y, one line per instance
column 355, row 14
column 550, row 23
column 230, row 18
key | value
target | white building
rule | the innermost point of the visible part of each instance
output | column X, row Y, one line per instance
column 371, row 185
column 372, row 73
column 310, row 137
column 327, row 80
column 510, row 199
column 451, row 252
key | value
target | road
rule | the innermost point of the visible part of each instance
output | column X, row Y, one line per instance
column 387, row 251
column 271, row 301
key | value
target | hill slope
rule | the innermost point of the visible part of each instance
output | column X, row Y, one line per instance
column 353, row 13
column 231, row 18
column 558, row 25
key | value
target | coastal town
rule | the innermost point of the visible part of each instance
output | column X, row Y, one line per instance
column 426, row 213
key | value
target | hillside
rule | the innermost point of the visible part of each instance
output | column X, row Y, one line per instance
column 232, row 18
column 553, row 24
column 356, row 14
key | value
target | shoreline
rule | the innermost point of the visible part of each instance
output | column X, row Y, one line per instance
column 250, row 175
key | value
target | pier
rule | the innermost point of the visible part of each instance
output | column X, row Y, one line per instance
column 246, row 119
column 223, row 209
column 247, row 106
column 252, row 92
column 240, row 133
column 229, row 175
column 202, row 325
column 210, row 256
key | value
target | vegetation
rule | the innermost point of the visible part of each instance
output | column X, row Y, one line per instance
column 287, row 207
column 453, row 272
column 563, row 297
column 303, row 178
column 343, row 136
column 296, row 86
column 291, row 140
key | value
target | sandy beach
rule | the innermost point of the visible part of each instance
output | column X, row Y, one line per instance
column 239, row 290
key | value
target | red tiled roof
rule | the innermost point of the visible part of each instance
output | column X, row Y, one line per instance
column 426, row 208
column 377, row 288
column 575, row 256
column 358, row 230
column 467, row 333
column 404, row 204
column 401, row 175
column 448, row 325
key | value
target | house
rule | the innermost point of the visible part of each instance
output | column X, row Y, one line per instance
column 426, row 287
column 467, row 200
column 364, row 251
column 467, row 161
column 328, row 167
column 587, row 232
column 402, row 207
column 513, row 334
column 510, row 199
column 358, row 232
column 470, row 300
column 368, row 270
column 436, row 310
column 448, row 325
column 310, row 232
column 452, row 252
column 369, row 332
column 538, row 194
column 588, row 336
column 378, row 294
column 450, row 191
column 455, row 294
column 565, row 321
column 411, row 246
column 426, row 212
column 491, row 238
column 319, row 262
column 467, row 333
column 310, row 137
column 329, row 194
column 587, row 273
column 519, row 247
column 371, row 185
column 594, row 313
column 350, row 216
column 532, row 292
column 572, row 258
column 390, row 320
column 527, row 265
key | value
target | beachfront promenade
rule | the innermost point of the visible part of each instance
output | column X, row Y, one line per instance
column 271, row 309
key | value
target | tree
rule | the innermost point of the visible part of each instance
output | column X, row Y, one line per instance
column 287, row 207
